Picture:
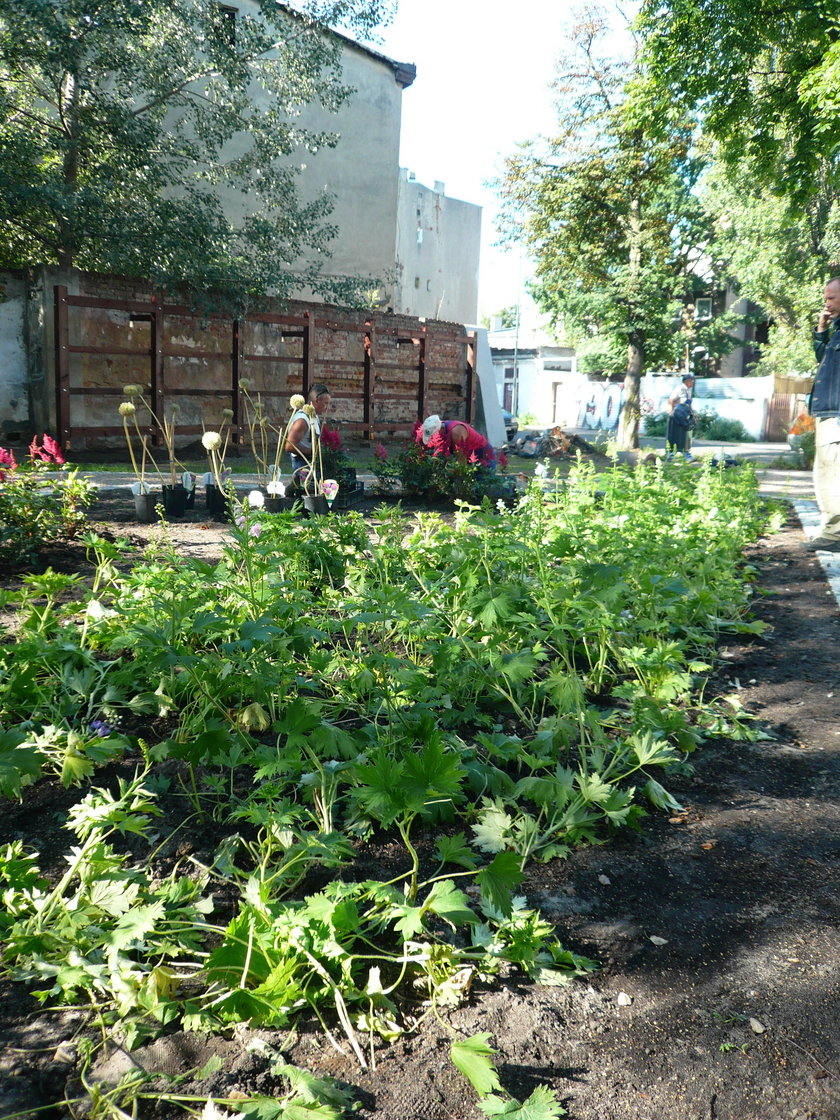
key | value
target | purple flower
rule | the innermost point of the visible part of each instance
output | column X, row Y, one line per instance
column 100, row 727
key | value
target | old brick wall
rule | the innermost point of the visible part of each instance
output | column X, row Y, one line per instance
column 385, row 371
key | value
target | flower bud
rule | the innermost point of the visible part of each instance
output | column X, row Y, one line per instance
column 127, row 409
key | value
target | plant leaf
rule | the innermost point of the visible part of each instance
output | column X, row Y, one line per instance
column 473, row 1057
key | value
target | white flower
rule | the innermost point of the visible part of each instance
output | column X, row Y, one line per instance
column 244, row 384
column 211, row 441
column 296, row 402
column 127, row 409
column 277, row 489
column 256, row 499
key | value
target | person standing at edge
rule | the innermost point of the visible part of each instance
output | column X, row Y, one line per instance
column 825, row 408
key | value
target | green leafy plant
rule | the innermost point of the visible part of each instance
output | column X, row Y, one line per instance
column 41, row 501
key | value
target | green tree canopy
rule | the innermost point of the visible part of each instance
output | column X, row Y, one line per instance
column 764, row 76
column 132, row 132
column 608, row 208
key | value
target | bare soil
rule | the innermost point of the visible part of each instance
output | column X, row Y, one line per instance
column 731, row 1013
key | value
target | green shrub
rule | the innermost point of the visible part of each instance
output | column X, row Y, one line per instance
column 41, row 502
column 712, row 426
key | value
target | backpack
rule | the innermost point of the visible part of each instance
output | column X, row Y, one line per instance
column 684, row 417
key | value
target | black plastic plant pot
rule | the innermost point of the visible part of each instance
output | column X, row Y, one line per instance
column 175, row 500
column 315, row 504
column 218, row 503
column 145, row 507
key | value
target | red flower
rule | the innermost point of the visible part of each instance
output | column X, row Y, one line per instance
column 502, row 459
column 330, row 438
column 49, row 452
column 380, row 452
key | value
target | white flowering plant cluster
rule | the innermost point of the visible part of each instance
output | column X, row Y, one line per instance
column 166, row 425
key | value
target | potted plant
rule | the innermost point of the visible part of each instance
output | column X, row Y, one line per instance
column 177, row 495
column 145, row 502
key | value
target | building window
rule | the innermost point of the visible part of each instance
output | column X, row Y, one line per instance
column 703, row 308
column 224, row 18
column 416, row 281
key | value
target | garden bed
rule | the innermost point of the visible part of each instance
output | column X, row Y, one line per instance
column 716, row 927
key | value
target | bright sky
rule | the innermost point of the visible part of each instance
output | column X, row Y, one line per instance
column 484, row 68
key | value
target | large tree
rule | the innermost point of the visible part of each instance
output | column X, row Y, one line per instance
column 764, row 75
column 156, row 137
column 607, row 208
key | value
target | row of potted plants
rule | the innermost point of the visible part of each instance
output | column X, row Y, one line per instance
column 177, row 491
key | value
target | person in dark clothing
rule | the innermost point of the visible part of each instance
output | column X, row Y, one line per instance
column 681, row 418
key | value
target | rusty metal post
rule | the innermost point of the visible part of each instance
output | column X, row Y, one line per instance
column 470, row 374
column 308, row 371
column 158, row 387
column 62, row 367
column 369, row 381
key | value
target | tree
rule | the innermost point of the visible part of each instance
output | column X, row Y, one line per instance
column 764, row 75
column 776, row 253
column 608, row 209
column 131, row 129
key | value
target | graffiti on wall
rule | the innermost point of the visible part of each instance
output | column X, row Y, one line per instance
column 602, row 408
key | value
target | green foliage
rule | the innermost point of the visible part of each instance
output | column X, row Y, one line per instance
column 764, row 76
column 712, row 426
column 502, row 688
column 607, row 206
column 125, row 123
column 420, row 472
column 41, row 501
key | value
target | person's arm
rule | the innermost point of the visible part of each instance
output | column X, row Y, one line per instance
column 822, row 334
column 457, row 434
column 296, row 433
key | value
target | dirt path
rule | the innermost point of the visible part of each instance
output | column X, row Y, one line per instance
column 717, row 929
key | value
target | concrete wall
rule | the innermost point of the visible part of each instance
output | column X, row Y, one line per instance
column 360, row 173
column 14, row 392
column 437, row 253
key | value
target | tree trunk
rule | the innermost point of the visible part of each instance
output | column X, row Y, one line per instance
column 628, row 428
column 66, row 219
column 628, row 425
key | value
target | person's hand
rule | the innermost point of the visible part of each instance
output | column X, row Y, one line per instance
column 824, row 321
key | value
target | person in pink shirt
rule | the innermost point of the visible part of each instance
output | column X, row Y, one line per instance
column 448, row 436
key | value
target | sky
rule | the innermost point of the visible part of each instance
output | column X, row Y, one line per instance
column 484, row 69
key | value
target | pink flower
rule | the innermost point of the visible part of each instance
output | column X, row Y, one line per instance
column 52, row 448
column 49, row 452
column 255, row 529
column 502, row 459
column 330, row 438
column 380, row 452
column 7, row 458
column 472, row 458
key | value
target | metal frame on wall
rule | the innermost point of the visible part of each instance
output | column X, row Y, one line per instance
column 375, row 398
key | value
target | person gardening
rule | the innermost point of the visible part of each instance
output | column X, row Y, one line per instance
column 456, row 436
column 680, row 419
column 305, row 428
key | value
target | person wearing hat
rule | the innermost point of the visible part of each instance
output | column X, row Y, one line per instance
column 681, row 418
column 450, row 436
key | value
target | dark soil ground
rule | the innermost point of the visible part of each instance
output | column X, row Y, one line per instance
column 717, row 928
